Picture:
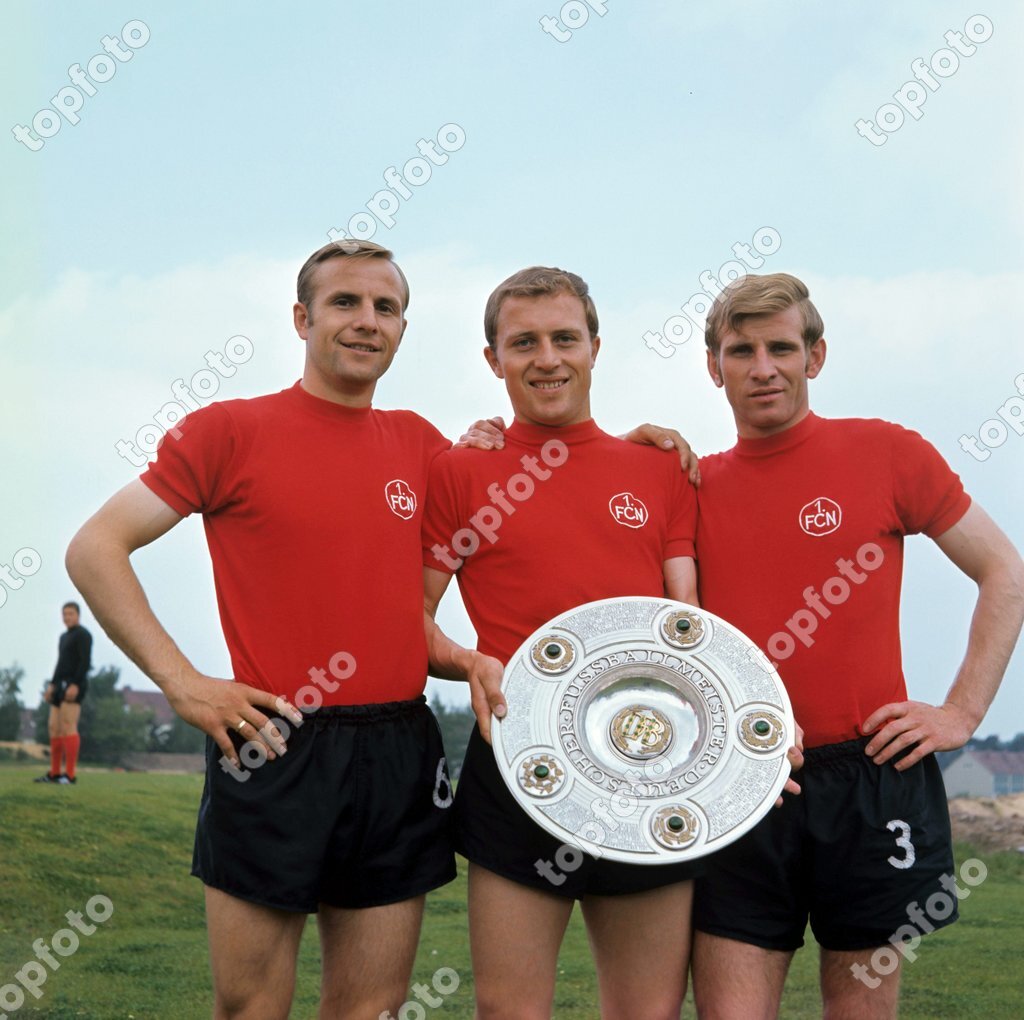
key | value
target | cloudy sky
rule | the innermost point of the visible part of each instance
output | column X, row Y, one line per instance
column 636, row 146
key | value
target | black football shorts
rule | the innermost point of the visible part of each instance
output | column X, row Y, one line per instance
column 859, row 852
column 492, row 830
column 59, row 694
column 355, row 814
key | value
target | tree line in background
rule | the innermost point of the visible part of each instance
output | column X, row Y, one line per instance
column 110, row 729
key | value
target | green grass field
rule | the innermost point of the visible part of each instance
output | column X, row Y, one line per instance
column 129, row 837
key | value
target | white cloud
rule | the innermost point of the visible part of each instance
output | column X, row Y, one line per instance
column 93, row 358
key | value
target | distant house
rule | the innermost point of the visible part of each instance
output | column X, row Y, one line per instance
column 163, row 714
column 27, row 730
column 985, row 774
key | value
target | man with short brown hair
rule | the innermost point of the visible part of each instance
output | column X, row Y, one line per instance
column 311, row 501
column 800, row 545
column 554, row 542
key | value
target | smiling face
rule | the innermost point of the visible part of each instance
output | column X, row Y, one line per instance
column 544, row 352
column 352, row 326
column 764, row 366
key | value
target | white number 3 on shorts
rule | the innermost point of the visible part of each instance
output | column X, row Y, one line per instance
column 902, row 841
column 444, row 799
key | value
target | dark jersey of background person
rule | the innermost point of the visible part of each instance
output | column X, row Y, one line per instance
column 74, row 653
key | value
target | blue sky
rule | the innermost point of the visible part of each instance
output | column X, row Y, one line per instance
column 175, row 214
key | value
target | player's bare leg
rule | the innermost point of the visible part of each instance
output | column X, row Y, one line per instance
column 68, row 714
column 845, row 996
column 253, row 951
column 737, row 981
column 641, row 943
column 53, row 722
column 368, row 957
column 514, row 936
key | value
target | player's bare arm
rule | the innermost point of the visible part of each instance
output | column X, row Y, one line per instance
column 489, row 434
column 98, row 561
column 983, row 552
column 681, row 579
column 450, row 661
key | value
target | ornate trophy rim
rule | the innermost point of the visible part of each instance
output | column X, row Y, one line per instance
column 643, row 730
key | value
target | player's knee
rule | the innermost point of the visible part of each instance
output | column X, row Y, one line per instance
column 719, row 1003
column 656, row 1006
column 526, row 1004
column 250, row 1004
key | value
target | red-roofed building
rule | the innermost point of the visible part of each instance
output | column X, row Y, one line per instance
column 163, row 714
column 985, row 774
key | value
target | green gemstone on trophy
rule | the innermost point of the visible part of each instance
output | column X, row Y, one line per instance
column 553, row 651
column 682, row 625
column 541, row 771
column 675, row 823
column 762, row 727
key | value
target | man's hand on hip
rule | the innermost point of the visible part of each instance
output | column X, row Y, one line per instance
column 216, row 706
column 900, row 725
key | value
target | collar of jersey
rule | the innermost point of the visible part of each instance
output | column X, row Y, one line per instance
column 327, row 408
column 799, row 433
column 537, row 435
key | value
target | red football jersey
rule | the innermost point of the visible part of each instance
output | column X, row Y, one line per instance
column 800, row 545
column 561, row 516
column 312, row 513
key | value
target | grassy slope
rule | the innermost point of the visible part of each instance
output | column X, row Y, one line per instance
column 129, row 837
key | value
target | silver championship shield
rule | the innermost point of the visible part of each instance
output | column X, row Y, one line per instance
column 643, row 730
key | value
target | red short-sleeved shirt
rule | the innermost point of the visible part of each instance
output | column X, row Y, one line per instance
column 595, row 518
column 312, row 513
column 781, row 517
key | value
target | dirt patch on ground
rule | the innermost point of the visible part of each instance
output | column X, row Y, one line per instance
column 989, row 823
column 32, row 750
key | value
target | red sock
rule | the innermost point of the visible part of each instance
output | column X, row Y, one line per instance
column 71, row 743
column 56, row 746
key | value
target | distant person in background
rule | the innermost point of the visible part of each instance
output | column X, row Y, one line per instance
column 65, row 693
